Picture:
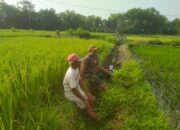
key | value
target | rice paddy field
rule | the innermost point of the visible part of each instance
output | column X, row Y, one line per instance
column 31, row 74
column 162, row 69
column 32, row 67
column 154, row 40
column 20, row 33
column 35, row 33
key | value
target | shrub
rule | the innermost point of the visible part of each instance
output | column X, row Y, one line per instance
column 13, row 29
column 70, row 32
column 155, row 42
column 57, row 33
column 175, row 43
column 111, row 39
column 47, row 35
column 83, row 33
column 98, row 36
column 31, row 30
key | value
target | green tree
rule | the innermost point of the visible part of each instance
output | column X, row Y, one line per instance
column 176, row 25
column 113, row 23
column 47, row 20
column 94, row 23
column 70, row 19
column 139, row 21
column 9, row 16
column 27, row 12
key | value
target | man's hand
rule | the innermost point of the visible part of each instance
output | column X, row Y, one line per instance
column 91, row 97
column 90, row 111
column 106, row 71
column 88, row 105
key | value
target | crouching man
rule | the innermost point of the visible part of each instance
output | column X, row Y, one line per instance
column 74, row 91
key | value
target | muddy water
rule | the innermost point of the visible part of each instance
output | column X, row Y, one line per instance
column 111, row 59
column 172, row 112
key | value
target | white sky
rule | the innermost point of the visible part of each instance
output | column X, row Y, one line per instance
column 170, row 8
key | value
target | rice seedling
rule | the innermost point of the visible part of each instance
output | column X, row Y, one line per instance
column 161, row 66
column 153, row 40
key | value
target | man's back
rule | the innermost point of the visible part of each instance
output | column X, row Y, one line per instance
column 89, row 65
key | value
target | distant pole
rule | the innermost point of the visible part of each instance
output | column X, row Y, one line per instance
column 30, row 17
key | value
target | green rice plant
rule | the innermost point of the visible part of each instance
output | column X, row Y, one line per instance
column 161, row 66
column 31, row 91
column 25, row 33
column 31, row 75
column 154, row 40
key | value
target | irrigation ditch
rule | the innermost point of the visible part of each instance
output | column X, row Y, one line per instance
column 121, row 53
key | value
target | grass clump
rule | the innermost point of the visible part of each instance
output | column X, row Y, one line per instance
column 130, row 75
column 133, row 108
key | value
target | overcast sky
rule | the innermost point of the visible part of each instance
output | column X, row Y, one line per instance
column 103, row 8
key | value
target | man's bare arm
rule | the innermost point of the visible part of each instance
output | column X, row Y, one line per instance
column 105, row 70
column 82, row 85
column 76, row 92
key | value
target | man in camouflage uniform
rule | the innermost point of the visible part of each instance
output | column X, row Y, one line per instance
column 91, row 71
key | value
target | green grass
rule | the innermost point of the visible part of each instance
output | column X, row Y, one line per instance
column 31, row 92
column 4, row 33
column 148, row 39
column 161, row 66
column 31, row 74
column 130, row 106
column 17, row 33
column 30, row 33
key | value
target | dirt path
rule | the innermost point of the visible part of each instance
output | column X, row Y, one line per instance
column 123, row 54
column 118, row 55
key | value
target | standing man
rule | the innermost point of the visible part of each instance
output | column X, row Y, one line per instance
column 91, row 70
column 74, row 91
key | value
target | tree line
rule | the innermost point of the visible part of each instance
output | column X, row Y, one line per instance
column 134, row 21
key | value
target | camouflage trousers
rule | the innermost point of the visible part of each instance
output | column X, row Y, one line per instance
column 95, row 80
